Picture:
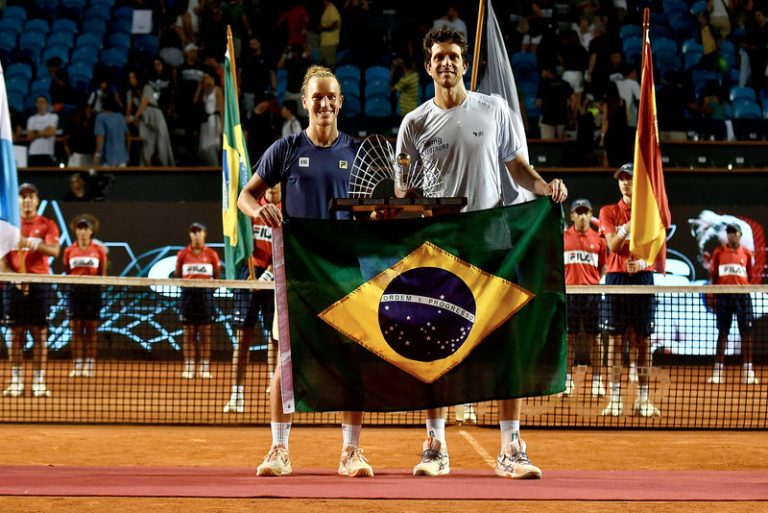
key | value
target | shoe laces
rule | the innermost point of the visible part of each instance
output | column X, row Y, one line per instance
column 354, row 455
column 277, row 453
column 432, row 451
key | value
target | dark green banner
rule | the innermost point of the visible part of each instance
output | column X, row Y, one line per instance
column 418, row 313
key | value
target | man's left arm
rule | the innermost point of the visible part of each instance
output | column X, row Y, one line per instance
column 523, row 174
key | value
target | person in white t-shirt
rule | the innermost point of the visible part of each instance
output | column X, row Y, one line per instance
column 629, row 91
column 41, row 133
column 469, row 136
column 291, row 125
column 452, row 21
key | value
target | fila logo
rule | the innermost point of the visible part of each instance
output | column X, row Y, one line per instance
column 580, row 257
column 479, row 133
column 343, row 164
column 304, row 162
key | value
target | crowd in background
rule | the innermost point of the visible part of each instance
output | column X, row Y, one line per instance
column 168, row 109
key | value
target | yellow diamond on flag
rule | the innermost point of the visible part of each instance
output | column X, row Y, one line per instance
column 426, row 313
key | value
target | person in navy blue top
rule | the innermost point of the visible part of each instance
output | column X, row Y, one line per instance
column 312, row 167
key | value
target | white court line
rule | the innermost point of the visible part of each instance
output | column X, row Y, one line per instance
column 490, row 460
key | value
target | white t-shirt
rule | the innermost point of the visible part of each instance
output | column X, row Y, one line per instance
column 467, row 143
column 629, row 91
column 458, row 25
column 39, row 122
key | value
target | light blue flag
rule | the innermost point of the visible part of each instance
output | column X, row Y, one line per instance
column 9, row 185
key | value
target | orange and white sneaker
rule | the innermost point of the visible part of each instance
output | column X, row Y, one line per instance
column 513, row 462
column 276, row 463
column 353, row 464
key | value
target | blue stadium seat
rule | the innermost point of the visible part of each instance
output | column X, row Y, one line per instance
column 121, row 25
column 692, row 57
column 661, row 32
column 744, row 108
column 377, row 73
column 691, row 44
column 349, row 86
column 80, row 75
column 118, row 40
column 56, row 51
column 348, row 71
column 528, row 88
column 145, row 44
column 63, row 39
column 37, row 25
column 352, row 106
column 665, row 56
column 14, row 12
column 742, row 92
column 98, row 12
column 633, row 47
column 683, row 26
column 10, row 25
column 20, row 84
column 728, row 52
column 114, row 57
column 19, row 70
column 376, row 87
column 671, row 6
column 64, row 26
column 85, row 55
column 378, row 107
column 31, row 44
column 531, row 110
column 40, row 87
column 630, row 31
column 700, row 79
column 7, row 46
column 524, row 65
column 95, row 26
column 46, row 8
column 123, row 13
column 90, row 40
column 16, row 100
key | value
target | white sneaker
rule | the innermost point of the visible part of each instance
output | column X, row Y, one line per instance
column 614, row 409
column 513, row 462
column 434, row 459
column 204, row 374
column 716, row 378
column 236, row 404
column 276, row 463
column 187, row 374
column 569, row 388
column 749, row 378
column 633, row 374
column 75, row 373
column 40, row 390
column 15, row 389
column 598, row 389
column 353, row 464
column 645, row 408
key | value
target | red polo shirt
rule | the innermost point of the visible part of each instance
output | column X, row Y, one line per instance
column 89, row 261
column 584, row 256
column 42, row 228
column 731, row 266
column 611, row 218
column 197, row 266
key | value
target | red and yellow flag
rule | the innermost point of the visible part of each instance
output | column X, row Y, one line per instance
column 650, row 210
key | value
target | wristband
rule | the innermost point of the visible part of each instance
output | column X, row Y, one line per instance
column 34, row 243
column 641, row 264
column 622, row 232
column 267, row 276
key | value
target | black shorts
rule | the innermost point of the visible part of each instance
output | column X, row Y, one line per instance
column 85, row 303
column 248, row 304
column 630, row 310
column 196, row 306
column 728, row 305
column 584, row 313
column 31, row 309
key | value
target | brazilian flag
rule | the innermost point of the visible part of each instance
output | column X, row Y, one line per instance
column 236, row 172
column 419, row 313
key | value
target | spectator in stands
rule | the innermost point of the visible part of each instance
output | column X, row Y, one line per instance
column 27, row 304
column 213, row 30
column 295, row 61
column 189, row 76
column 719, row 16
column 143, row 109
column 61, row 92
column 407, row 86
column 585, row 256
column 257, row 79
column 236, row 17
column 162, row 82
column 264, row 126
column 330, row 33
column 197, row 262
column 41, row 134
column 712, row 111
column 84, row 257
column 248, row 305
column 584, row 32
column 78, row 191
column 111, row 136
column 452, row 21
column 588, row 119
column 629, row 91
column 709, row 38
column 80, row 142
column 554, row 99
column 630, row 317
column 756, row 45
column 170, row 41
column 291, row 125
column 733, row 264
column 188, row 22
column 355, row 36
column 615, row 138
column 296, row 20
column 575, row 61
column 211, row 98
column 599, row 60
